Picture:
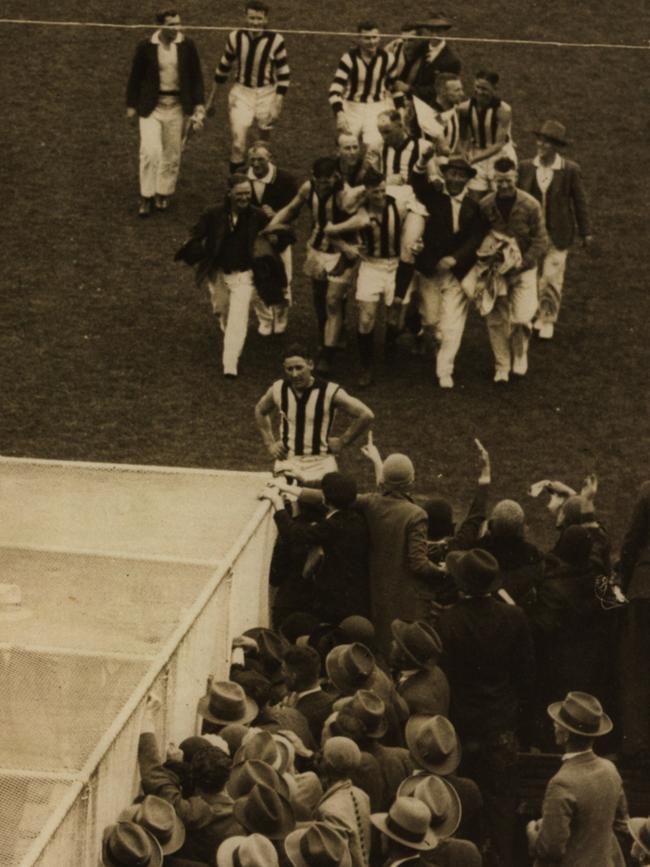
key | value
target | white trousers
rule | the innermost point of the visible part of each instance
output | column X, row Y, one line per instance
column 454, row 305
column 362, row 117
column 161, row 135
column 551, row 283
column 310, row 468
column 247, row 106
column 231, row 296
column 277, row 315
column 509, row 322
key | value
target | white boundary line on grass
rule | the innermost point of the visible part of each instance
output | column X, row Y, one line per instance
column 224, row 28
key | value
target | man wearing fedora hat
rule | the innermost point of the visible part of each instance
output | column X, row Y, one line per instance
column 252, row 851
column 405, row 829
column 584, row 804
column 432, row 57
column 344, row 803
column 453, row 230
column 517, row 214
column 556, row 183
column 127, row 843
column 488, row 658
column 415, row 652
column 159, row 819
column 318, row 844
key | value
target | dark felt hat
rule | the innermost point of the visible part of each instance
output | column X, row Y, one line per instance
column 433, row 744
column 554, row 131
column 418, row 641
column 460, row 164
column 476, row 571
column 350, row 667
column 265, row 811
column 159, row 818
column 226, row 702
column 126, row 843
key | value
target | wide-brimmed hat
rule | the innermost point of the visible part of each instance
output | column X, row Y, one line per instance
column 126, row 843
column 418, row 641
column 640, row 831
column 581, row 714
column 433, row 744
column 426, row 692
column 226, row 702
column 370, row 709
column 460, row 164
column 554, row 131
column 318, row 844
column 476, row 571
column 11, row 604
column 244, row 775
column 350, row 667
column 436, row 21
column 409, row 822
column 252, row 851
column 159, row 818
column 265, row 811
column 439, row 796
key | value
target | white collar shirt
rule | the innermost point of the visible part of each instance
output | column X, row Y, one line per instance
column 456, row 203
column 434, row 51
column 545, row 173
column 259, row 184
column 567, row 756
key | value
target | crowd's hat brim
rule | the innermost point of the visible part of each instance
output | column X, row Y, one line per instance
column 452, row 821
column 156, row 859
column 605, row 725
column 251, row 711
column 338, row 674
column 459, row 165
column 226, row 851
column 399, row 628
column 430, row 841
column 437, row 22
column 562, row 142
column 466, row 582
column 178, row 833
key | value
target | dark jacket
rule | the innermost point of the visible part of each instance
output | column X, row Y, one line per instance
column 278, row 192
column 342, row 578
column 520, row 562
column 315, row 707
column 489, row 660
column 206, row 238
column 635, row 551
column 423, row 82
column 143, row 87
column 439, row 237
column 566, row 202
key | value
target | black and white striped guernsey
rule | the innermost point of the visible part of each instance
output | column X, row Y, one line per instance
column 261, row 60
column 324, row 210
column 381, row 239
column 356, row 80
column 484, row 122
column 305, row 420
column 400, row 160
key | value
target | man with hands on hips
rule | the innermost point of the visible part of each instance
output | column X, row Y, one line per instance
column 306, row 406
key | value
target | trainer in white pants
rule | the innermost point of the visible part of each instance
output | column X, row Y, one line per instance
column 161, row 135
column 238, row 289
column 430, row 301
column 451, row 325
column 362, row 120
column 247, row 106
column 509, row 323
column 274, row 319
column 551, row 282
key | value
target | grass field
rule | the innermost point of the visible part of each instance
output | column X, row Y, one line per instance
column 108, row 351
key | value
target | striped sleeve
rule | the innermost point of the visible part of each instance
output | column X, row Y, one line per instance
column 395, row 67
column 340, row 82
column 229, row 54
column 281, row 65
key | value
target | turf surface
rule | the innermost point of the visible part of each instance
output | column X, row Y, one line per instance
column 108, row 351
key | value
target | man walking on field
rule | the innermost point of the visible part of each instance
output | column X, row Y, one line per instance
column 165, row 91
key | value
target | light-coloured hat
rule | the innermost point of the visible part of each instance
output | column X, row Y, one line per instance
column 226, row 702
column 507, row 517
column 433, row 743
column 409, row 822
column 11, row 604
column 640, row 832
column 398, row 472
column 341, row 754
column 440, row 797
column 159, row 818
column 252, row 851
column 581, row 714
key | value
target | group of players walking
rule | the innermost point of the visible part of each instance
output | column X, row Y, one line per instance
column 423, row 209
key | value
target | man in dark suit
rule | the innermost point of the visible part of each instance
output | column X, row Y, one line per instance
column 488, row 659
column 556, row 183
column 273, row 189
column 584, row 804
column 453, row 231
column 341, row 579
column 302, row 668
column 164, row 90
column 221, row 245
column 417, row 77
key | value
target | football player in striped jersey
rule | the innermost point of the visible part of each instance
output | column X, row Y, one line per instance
column 261, row 79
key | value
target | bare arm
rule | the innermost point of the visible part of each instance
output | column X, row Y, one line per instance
column 357, row 221
column 362, row 418
column 290, row 211
column 263, row 409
